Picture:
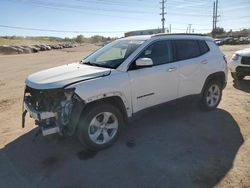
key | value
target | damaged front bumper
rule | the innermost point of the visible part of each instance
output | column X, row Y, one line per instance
column 56, row 111
column 39, row 116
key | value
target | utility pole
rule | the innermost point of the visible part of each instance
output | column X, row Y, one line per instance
column 216, row 14
column 163, row 13
column 213, row 15
column 169, row 28
column 189, row 28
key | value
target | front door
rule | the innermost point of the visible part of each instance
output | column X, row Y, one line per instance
column 157, row 84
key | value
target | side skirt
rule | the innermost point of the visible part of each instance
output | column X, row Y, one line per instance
column 192, row 98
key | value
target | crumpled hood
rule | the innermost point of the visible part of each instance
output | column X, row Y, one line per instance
column 244, row 52
column 61, row 76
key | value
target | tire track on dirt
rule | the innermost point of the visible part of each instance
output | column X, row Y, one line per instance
column 5, row 104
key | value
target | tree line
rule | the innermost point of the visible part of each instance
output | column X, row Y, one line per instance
column 77, row 39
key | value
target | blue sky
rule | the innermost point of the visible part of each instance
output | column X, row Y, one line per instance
column 114, row 17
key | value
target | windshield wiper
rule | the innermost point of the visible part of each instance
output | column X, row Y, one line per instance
column 94, row 64
column 85, row 62
column 100, row 65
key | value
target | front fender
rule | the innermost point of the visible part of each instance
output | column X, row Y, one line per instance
column 108, row 95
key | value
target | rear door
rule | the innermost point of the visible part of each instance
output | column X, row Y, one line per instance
column 189, row 57
column 157, row 84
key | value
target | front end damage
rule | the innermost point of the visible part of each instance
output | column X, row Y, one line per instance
column 54, row 110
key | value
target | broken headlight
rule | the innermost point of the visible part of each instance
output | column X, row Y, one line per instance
column 66, row 106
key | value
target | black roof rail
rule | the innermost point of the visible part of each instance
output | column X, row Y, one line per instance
column 167, row 34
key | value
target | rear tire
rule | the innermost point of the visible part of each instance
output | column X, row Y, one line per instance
column 211, row 95
column 237, row 76
column 100, row 125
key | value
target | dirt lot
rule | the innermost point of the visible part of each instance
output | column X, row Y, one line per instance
column 176, row 145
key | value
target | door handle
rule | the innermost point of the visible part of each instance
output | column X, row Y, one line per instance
column 204, row 62
column 171, row 69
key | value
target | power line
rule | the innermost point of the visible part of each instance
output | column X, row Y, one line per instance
column 236, row 18
column 79, row 31
column 187, row 29
column 115, row 3
column 98, row 11
column 58, row 31
column 66, row 9
column 80, row 7
column 71, row 31
column 88, row 8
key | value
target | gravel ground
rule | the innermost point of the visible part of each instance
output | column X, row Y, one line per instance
column 175, row 145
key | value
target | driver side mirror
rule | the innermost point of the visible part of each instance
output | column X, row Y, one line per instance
column 144, row 62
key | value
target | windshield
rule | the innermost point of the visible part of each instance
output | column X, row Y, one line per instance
column 113, row 54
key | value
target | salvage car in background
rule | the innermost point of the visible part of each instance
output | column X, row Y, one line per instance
column 219, row 42
column 240, row 64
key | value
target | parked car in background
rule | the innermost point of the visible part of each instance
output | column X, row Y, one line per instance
column 95, row 97
column 240, row 64
column 219, row 42
column 236, row 40
column 227, row 40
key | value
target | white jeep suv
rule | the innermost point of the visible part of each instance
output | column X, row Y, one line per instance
column 95, row 97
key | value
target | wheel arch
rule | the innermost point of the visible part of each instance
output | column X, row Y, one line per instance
column 219, row 76
column 116, row 100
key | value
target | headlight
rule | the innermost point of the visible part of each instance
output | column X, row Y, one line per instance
column 235, row 57
column 69, row 93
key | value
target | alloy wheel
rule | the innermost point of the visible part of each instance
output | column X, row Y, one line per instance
column 103, row 128
column 213, row 95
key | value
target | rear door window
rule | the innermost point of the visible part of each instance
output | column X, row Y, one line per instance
column 186, row 49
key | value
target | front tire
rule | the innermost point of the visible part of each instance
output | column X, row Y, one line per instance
column 237, row 76
column 211, row 96
column 99, row 126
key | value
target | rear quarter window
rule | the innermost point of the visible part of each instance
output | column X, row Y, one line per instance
column 203, row 47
